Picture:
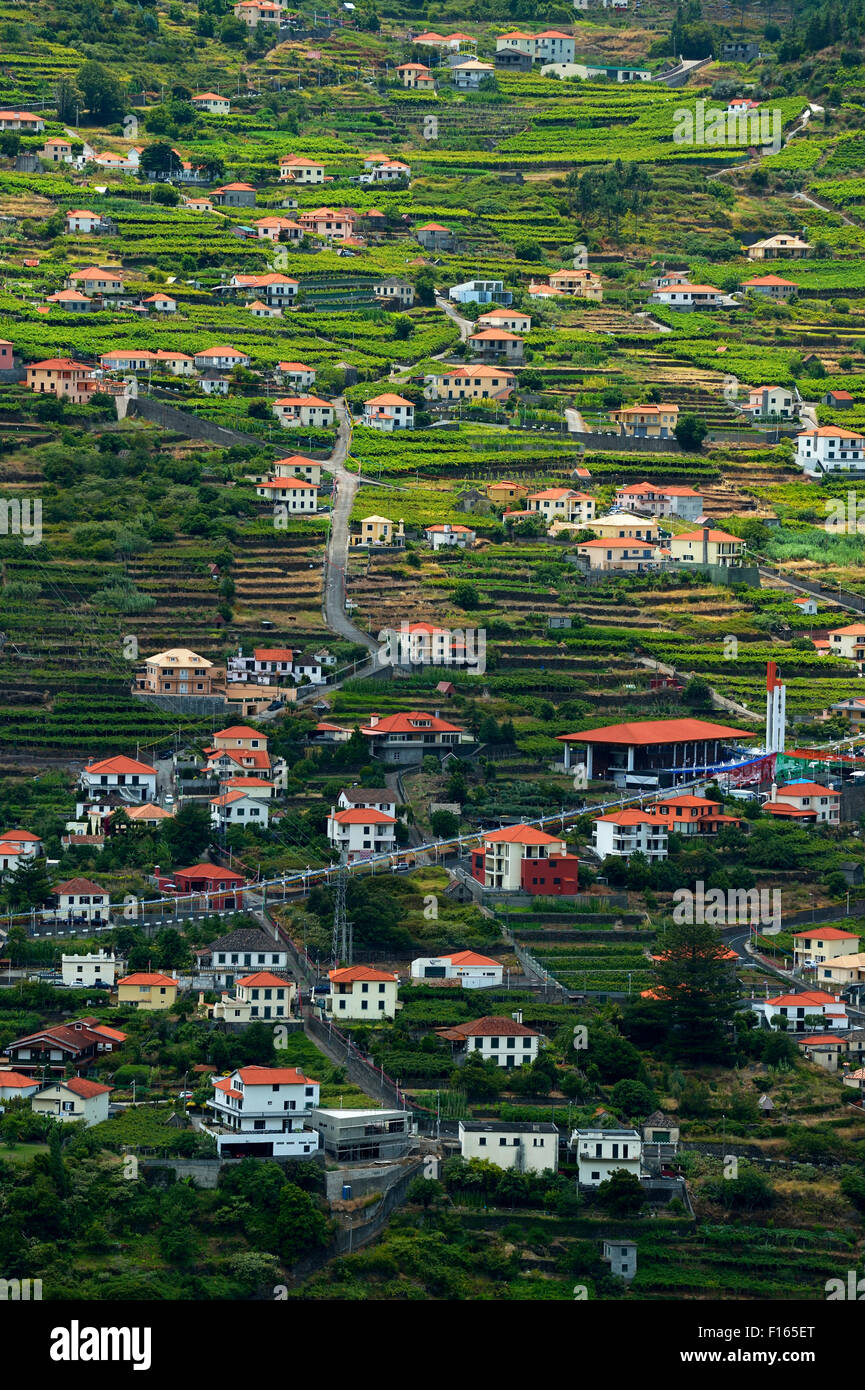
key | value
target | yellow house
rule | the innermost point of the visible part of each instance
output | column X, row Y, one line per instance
column 145, row 990
column 377, row 530
column 362, row 994
column 647, row 421
column 707, row 547
column 506, row 491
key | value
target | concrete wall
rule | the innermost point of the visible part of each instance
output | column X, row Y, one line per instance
column 170, row 418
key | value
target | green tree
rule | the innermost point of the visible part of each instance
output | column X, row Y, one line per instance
column 690, row 432
column 621, row 1194
column 695, row 981
column 101, row 90
column 300, row 1227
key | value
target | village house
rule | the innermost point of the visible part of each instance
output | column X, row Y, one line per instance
column 514, row 320
column 550, row 46
column 408, row 737
column 234, row 195
column 388, row 412
column 620, row 834
column 504, row 490
column 127, row 360
column 267, row 664
column 514, row 59
column 521, row 1147
column 843, row 971
column 660, row 499
column 782, row 246
column 222, row 358
column 829, row 449
column 849, row 643
column 132, row 780
column 334, row 225
column 368, row 798
column 81, row 220
column 468, row 74
column 362, row 1136
column 771, row 286
column 296, row 374
column 94, row 279
column 259, row 996
column 14, row 1085
column 811, row 1009
column 505, row 1041
column 521, row 858
column 602, row 1152
column 416, row 76
column 80, row 900
column 76, row 1044
column 852, row 710
column 147, row 990
column 539, row 289
column 398, row 290
column 361, row 994
column 309, row 411
column 582, row 284
column 175, row 363
column 57, row 150
column 60, row 376
column 424, row 644
column 22, row 120
column 73, row 301
column 263, row 1112
column 360, row 832
column 275, row 288
column 389, row 171
column 239, row 952
column 686, row 814
column 278, row 229
column 707, row 546
column 178, row 671
column 17, row 846
column 806, row 801
column 475, row 383
column 211, row 102
column 497, row 342
column 160, row 304
column 687, row 296
column 839, row 400
column 297, row 466
column 376, row 530
column 473, row 971
column 823, row 1049
column 614, row 553
column 434, row 237
column 647, row 421
column 255, row 12
column 260, row 310
column 296, row 494
column 75, row 1099
column 236, row 808
column 624, row 526
column 294, row 168
column 771, row 402
column 450, row 535
column 561, row 504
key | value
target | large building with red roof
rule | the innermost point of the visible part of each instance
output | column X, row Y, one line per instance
column 828, row 1010
column 465, row 968
column 497, row 1038
column 816, row 945
column 676, row 747
column 408, row 737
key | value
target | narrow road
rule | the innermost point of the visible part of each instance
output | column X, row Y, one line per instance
column 465, row 326
column 822, row 206
column 345, row 485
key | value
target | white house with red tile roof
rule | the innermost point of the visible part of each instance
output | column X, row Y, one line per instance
column 496, row 1038
column 771, row 286
column 307, row 411
column 661, row 499
column 255, row 12
column 830, row 449
column 497, row 342
column 388, row 171
column 295, row 168
column 263, row 1112
column 475, row 383
column 499, row 861
column 97, row 279
column 808, row 801
column 260, row 996
column 236, row 807
column 450, row 535
column 562, row 504
column 388, row 412
column 211, row 101
column 80, row 900
column 275, row 287
column 797, row 1008
column 297, row 374
column 515, row 320
column 75, row 1099
column 21, row 120
column 688, row 296
column 134, row 780
column 360, row 832
column 223, row 357
column 472, row 970
column 708, row 546
column 687, row 814
column 14, row 1085
column 16, row 846
column 298, row 494
column 160, row 304
column 361, row 994
column 620, row 834
column 83, row 220
column 416, row 75
column 333, row 223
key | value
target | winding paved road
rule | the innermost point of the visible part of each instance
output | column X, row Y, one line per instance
column 345, row 485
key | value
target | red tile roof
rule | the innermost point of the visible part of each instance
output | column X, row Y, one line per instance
column 648, row 731
column 348, row 974
column 522, row 835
